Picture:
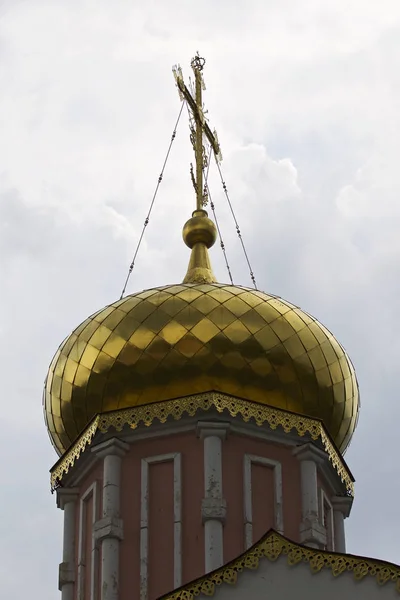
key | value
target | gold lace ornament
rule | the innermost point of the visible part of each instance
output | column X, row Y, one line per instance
column 272, row 546
column 191, row 405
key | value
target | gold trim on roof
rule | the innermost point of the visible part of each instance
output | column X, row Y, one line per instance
column 272, row 546
column 67, row 461
column 190, row 405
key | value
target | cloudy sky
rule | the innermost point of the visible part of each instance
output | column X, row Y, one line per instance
column 305, row 97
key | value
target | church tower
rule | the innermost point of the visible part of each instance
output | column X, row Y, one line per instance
column 190, row 419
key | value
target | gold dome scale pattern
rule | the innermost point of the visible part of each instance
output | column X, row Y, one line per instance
column 184, row 339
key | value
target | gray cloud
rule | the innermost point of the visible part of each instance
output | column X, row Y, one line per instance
column 305, row 99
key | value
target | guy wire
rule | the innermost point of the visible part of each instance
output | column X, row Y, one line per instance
column 236, row 223
column 146, row 222
column 207, row 191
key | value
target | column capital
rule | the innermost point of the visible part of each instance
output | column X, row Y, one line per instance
column 66, row 574
column 108, row 527
column 310, row 452
column 213, row 508
column 66, row 495
column 212, row 428
column 112, row 447
column 342, row 504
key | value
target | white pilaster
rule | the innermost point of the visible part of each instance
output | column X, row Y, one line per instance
column 109, row 530
column 213, row 505
column 66, row 500
column 312, row 533
column 341, row 510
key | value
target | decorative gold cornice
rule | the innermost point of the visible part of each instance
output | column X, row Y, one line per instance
column 272, row 546
column 190, row 405
column 67, row 461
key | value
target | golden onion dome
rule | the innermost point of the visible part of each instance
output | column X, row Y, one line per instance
column 178, row 340
column 175, row 341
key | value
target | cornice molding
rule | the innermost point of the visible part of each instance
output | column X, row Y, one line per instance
column 176, row 409
column 112, row 447
column 309, row 452
column 65, row 495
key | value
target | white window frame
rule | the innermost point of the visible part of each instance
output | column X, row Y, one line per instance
column 249, row 460
column 330, row 526
column 174, row 457
column 83, row 562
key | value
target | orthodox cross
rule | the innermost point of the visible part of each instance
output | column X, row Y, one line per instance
column 198, row 126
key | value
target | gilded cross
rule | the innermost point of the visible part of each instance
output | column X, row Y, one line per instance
column 199, row 126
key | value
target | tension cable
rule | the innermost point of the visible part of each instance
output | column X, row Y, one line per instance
column 208, row 196
column 147, row 219
column 236, row 224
